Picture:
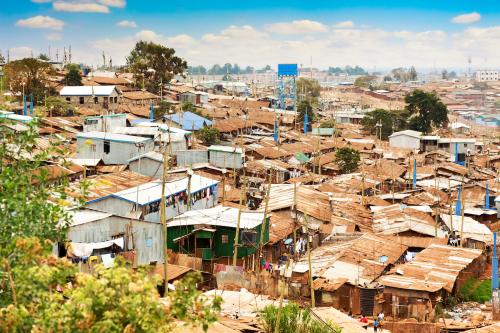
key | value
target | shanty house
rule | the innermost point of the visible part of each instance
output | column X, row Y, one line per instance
column 149, row 164
column 92, row 230
column 344, row 273
column 405, row 139
column 104, row 123
column 209, row 233
column 105, row 96
column 187, row 121
column 226, row 157
column 413, row 289
column 143, row 201
column 111, row 148
column 193, row 97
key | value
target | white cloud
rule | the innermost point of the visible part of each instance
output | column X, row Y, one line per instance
column 54, row 36
column 113, row 3
column 299, row 27
column 83, row 7
column 20, row 52
column 344, row 24
column 466, row 18
column 367, row 47
column 182, row 40
column 41, row 22
column 127, row 24
column 147, row 36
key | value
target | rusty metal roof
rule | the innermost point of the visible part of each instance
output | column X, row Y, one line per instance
column 435, row 268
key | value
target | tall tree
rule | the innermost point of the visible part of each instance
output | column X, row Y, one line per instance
column 73, row 77
column 308, row 88
column 385, row 118
column 365, row 81
column 154, row 63
column 413, row 73
column 303, row 107
column 32, row 72
column 347, row 159
column 426, row 110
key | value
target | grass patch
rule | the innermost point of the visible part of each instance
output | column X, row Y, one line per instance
column 476, row 290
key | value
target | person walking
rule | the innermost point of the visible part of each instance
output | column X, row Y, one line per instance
column 376, row 325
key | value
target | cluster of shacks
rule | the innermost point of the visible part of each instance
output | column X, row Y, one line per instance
column 403, row 232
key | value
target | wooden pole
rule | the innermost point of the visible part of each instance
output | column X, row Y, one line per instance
column 282, row 292
column 462, row 208
column 237, row 236
column 313, row 301
column 295, row 217
column 264, row 221
column 163, row 217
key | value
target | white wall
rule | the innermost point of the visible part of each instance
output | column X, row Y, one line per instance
column 404, row 141
column 120, row 152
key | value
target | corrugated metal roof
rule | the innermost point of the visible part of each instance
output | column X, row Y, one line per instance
column 87, row 90
column 435, row 268
column 111, row 137
column 218, row 216
column 189, row 120
column 151, row 192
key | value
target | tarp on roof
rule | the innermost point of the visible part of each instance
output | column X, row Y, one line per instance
column 189, row 120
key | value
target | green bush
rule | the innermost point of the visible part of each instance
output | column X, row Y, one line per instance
column 294, row 319
column 475, row 290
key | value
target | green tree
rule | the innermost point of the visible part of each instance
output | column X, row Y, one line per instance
column 32, row 73
column 117, row 299
column 330, row 123
column 153, row 64
column 162, row 109
column 73, row 77
column 413, row 74
column 28, row 201
column 227, row 77
column 365, row 81
column 308, row 88
column 347, row 159
column 303, row 107
column 209, row 135
column 44, row 57
column 426, row 110
column 390, row 121
column 58, row 107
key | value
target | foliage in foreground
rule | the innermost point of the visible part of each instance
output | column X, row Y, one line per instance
column 28, row 206
column 294, row 320
column 347, row 159
column 109, row 300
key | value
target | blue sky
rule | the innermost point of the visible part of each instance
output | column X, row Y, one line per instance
column 383, row 34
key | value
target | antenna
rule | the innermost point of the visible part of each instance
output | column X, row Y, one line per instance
column 57, row 55
column 104, row 59
column 469, row 60
column 70, row 54
column 110, row 62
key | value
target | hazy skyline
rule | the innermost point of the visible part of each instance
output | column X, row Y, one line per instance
column 383, row 34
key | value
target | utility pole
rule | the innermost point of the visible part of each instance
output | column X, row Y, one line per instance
column 237, row 236
column 278, row 315
column 264, row 221
column 163, row 217
column 313, row 302
column 462, row 208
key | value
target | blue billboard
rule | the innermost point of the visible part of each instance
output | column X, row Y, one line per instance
column 287, row 69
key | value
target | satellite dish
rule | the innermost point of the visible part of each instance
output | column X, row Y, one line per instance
column 382, row 259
